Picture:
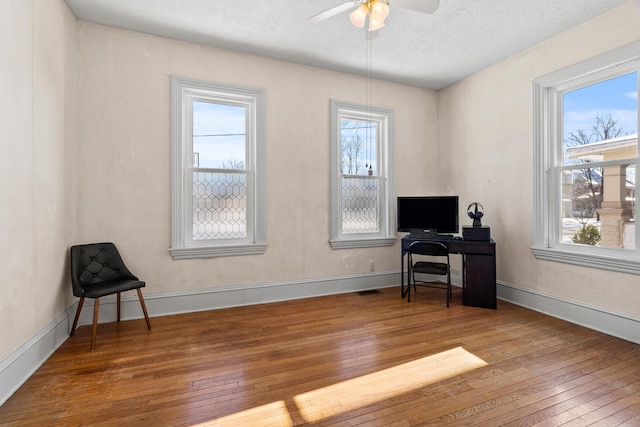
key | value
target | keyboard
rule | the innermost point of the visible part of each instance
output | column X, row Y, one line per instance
column 430, row 236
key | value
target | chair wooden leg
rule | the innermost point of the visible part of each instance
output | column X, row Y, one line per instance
column 118, row 297
column 96, row 308
column 144, row 309
column 75, row 320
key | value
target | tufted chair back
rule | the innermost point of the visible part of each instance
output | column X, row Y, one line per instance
column 94, row 263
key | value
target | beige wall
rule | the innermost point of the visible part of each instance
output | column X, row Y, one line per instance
column 99, row 169
column 124, row 139
column 485, row 135
column 37, row 119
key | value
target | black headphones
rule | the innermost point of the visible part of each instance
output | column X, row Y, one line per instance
column 476, row 213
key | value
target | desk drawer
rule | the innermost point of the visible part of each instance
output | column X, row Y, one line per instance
column 480, row 248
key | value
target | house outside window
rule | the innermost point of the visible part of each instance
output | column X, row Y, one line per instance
column 217, row 170
column 586, row 156
column 361, row 211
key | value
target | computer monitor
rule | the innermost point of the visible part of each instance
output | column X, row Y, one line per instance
column 434, row 213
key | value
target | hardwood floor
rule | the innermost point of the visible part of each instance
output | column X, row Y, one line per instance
column 342, row 360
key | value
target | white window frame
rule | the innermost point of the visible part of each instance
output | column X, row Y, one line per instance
column 548, row 142
column 386, row 232
column 183, row 92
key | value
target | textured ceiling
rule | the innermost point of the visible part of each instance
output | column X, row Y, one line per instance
column 431, row 51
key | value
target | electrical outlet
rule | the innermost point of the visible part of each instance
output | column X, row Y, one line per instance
column 455, row 272
column 372, row 265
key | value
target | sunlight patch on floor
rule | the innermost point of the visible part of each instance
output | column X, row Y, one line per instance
column 371, row 388
column 272, row 414
column 359, row 392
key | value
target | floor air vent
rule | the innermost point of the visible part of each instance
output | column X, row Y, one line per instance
column 369, row 292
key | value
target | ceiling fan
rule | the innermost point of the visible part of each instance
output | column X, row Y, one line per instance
column 376, row 10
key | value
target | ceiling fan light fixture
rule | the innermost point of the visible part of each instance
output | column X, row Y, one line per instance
column 359, row 16
column 379, row 10
column 375, row 24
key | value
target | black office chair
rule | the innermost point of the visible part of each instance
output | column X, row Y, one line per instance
column 429, row 261
column 97, row 269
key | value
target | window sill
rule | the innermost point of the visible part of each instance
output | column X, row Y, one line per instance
column 622, row 265
column 212, row 251
column 362, row 243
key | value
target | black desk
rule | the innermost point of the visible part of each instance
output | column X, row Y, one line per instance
column 478, row 270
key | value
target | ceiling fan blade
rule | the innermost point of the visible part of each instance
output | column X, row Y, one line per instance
column 331, row 12
column 424, row 6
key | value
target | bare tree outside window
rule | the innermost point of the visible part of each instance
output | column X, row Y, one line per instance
column 589, row 188
column 353, row 147
column 352, row 153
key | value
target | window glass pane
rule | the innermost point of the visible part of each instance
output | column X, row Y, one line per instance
column 219, row 205
column 600, row 121
column 629, row 235
column 600, row 124
column 583, row 220
column 581, row 197
column 361, row 178
column 219, row 135
column 360, row 205
column 358, row 141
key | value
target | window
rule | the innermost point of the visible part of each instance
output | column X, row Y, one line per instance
column 217, row 170
column 361, row 212
column 586, row 153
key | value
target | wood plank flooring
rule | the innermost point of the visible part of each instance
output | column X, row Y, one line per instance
column 343, row 360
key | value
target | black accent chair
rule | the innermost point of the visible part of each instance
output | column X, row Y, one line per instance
column 97, row 269
column 429, row 260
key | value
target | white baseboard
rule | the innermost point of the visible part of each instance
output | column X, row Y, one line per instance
column 23, row 362
column 235, row 296
column 621, row 325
